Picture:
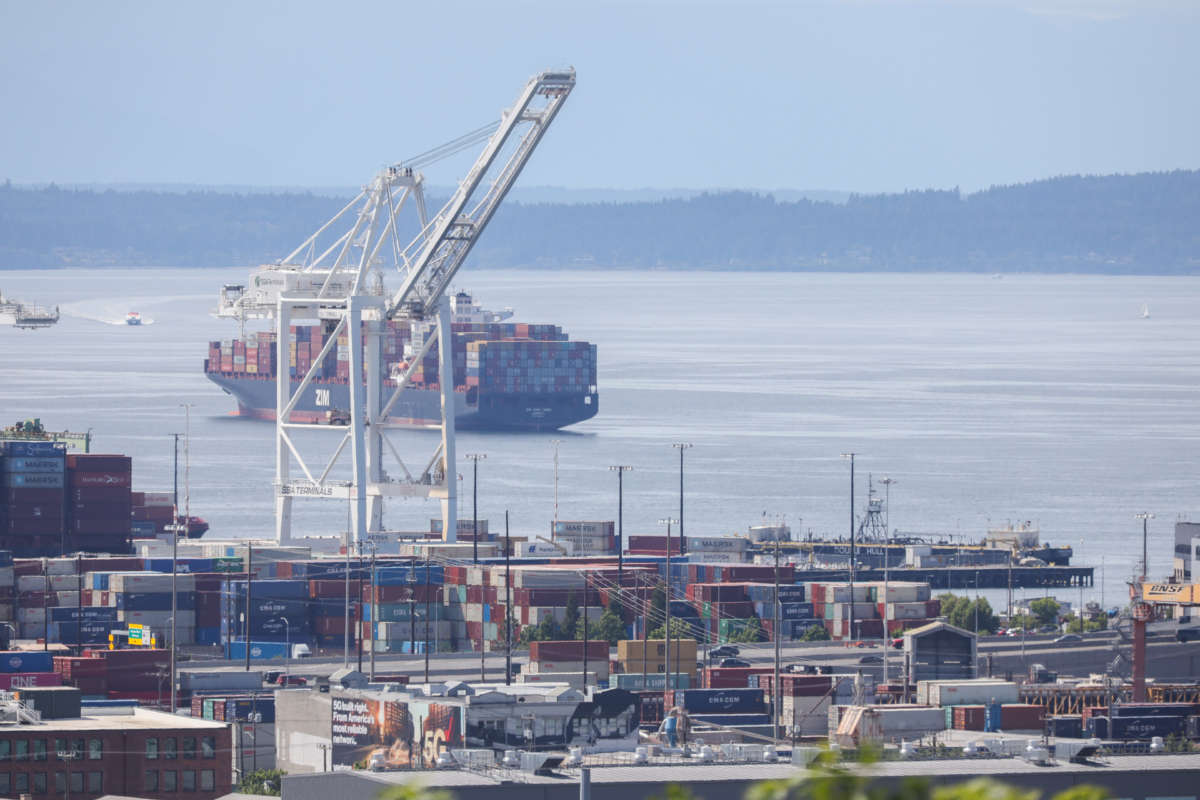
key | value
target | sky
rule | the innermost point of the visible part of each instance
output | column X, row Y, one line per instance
column 851, row 95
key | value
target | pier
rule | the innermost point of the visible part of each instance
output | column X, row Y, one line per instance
column 952, row 578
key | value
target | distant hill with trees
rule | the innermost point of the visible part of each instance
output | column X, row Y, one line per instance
column 1143, row 223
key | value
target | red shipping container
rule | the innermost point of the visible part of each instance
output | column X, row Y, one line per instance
column 44, row 510
column 33, row 527
column 969, row 718
column 89, row 479
column 12, row 497
column 119, row 525
column 20, row 680
column 1021, row 717
column 566, row 650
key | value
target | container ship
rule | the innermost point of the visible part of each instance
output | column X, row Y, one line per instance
column 507, row 376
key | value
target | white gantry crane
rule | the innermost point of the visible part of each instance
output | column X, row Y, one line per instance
column 337, row 277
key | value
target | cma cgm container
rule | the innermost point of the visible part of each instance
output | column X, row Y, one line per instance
column 507, row 376
column 719, row 701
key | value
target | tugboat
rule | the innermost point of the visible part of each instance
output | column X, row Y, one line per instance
column 133, row 318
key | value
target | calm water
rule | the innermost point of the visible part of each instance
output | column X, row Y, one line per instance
column 1039, row 398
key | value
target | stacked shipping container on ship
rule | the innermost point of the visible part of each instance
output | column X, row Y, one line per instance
column 99, row 502
column 506, row 375
column 33, row 508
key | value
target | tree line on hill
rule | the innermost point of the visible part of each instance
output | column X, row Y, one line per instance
column 1142, row 223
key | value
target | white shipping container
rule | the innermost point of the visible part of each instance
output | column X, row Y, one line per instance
column 715, row 558
column 808, row 716
column 36, row 614
column 598, row 666
column 70, row 599
column 31, row 583
column 909, row 719
column 157, row 619
column 719, row 544
column 60, row 566
column 906, row 611
column 967, row 692
column 6, row 612
column 906, row 592
column 150, row 582
column 573, row 679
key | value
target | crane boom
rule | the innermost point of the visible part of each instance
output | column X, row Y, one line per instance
column 436, row 254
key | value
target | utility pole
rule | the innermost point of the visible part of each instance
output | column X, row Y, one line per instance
column 556, row 443
column 777, row 685
column 586, row 609
column 1145, row 517
column 670, row 684
column 475, row 458
column 249, row 582
column 887, row 557
column 508, row 604
column 852, row 629
column 621, row 470
column 346, row 545
column 174, row 571
column 374, row 608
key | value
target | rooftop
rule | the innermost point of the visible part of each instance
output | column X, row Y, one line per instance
column 140, row 719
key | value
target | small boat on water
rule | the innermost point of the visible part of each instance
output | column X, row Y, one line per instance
column 1145, row 311
column 133, row 318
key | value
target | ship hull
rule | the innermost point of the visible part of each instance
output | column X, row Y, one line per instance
column 417, row 407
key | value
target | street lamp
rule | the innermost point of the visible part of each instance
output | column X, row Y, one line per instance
column 620, row 469
column 670, row 684
column 475, row 458
column 851, row 457
column 374, row 605
column 1145, row 516
column 681, row 446
column 287, row 655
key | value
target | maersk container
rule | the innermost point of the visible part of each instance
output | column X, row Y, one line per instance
column 29, row 464
column 35, row 449
column 26, row 661
column 721, row 701
column 34, row 480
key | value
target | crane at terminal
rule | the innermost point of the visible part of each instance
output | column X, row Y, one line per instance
column 337, row 277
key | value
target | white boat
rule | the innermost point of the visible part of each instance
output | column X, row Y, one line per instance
column 1145, row 311
column 133, row 318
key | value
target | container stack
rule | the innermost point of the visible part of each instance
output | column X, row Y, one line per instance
column 140, row 674
column 388, row 615
column 542, row 367
column 8, row 587
column 563, row 662
column 585, row 538
column 906, row 604
column 278, row 612
column 637, row 656
column 100, row 502
column 151, row 512
column 144, row 598
column 27, row 668
column 32, row 506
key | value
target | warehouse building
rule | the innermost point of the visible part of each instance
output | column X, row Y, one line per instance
column 56, row 751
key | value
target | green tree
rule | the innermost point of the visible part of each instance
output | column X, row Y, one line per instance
column 414, row 790
column 972, row 615
column 816, row 633
column 1077, row 625
column 571, row 619
column 679, row 630
column 262, row 781
column 1045, row 610
column 609, row 628
column 749, row 633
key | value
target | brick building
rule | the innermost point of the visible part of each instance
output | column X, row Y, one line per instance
column 137, row 752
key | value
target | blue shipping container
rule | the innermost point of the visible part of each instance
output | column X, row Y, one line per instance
column 721, row 701
column 33, row 448
column 275, row 588
column 732, row 720
column 1145, row 727
column 208, row 636
column 26, row 661
column 89, row 632
column 86, row 613
column 27, row 464
column 236, row 650
column 34, row 480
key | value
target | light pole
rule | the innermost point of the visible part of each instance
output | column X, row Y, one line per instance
column 374, row 606
column 1145, row 517
column 681, row 446
column 287, row 655
column 346, row 620
column 670, row 684
column 851, row 457
column 887, row 557
column 621, row 469
column 475, row 459
column 556, row 443
column 508, row 605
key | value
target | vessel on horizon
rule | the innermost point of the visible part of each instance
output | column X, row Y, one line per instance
column 20, row 315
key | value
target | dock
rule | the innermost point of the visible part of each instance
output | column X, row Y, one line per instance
column 953, row 578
